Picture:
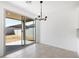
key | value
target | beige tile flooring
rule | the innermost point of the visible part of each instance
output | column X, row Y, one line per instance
column 42, row 51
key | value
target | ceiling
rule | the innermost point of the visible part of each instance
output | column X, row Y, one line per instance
column 33, row 7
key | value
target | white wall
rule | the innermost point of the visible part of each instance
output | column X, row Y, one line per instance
column 78, row 30
column 60, row 28
column 2, row 46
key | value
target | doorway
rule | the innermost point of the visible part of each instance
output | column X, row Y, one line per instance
column 19, row 31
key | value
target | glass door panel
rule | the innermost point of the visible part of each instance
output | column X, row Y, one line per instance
column 30, row 32
column 12, row 32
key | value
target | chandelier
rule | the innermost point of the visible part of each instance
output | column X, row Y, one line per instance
column 39, row 17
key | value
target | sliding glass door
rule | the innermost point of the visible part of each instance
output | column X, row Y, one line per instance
column 30, row 32
column 19, row 31
column 12, row 31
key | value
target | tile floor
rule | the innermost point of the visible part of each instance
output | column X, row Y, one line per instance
column 41, row 51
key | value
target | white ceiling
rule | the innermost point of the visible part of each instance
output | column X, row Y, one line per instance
column 33, row 7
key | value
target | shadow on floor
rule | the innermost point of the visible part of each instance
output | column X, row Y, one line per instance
column 14, row 48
